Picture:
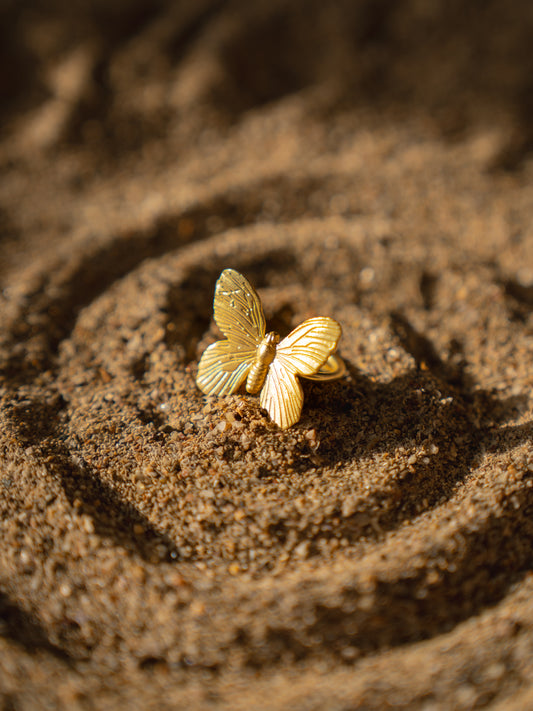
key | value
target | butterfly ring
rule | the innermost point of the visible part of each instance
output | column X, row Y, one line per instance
column 266, row 363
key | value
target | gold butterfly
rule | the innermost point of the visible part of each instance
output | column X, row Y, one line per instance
column 267, row 364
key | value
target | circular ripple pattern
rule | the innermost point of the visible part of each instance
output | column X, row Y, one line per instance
column 379, row 552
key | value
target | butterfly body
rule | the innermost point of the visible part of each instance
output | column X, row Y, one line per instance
column 266, row 363
column 264, row 357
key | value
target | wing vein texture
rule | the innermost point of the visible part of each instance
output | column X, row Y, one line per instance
column 223, row 368
column 237, row 309
column 308, row 347
column 282, row 395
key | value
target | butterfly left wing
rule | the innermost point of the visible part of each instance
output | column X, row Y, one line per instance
column 237, row 310
column 302, row 352
column 239, row 315
column 223, row 367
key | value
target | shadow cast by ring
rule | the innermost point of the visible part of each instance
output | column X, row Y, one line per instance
column 434, row 407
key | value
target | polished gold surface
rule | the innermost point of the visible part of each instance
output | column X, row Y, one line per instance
column 333, row 369
column 264, row 357
column 263, row 360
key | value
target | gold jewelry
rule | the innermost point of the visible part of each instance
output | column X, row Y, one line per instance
column 266, row 363
column 333, row 369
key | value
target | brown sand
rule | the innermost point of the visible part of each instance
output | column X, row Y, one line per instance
column 370, row 161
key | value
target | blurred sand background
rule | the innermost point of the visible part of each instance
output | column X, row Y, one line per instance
column 370, row 161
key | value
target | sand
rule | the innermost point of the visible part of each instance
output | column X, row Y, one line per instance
column 368, row 161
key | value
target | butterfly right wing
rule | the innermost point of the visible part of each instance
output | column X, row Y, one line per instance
column 223, row 367
column 309, row 345
column 238, row 310
column 302, row 352
column 282, row 395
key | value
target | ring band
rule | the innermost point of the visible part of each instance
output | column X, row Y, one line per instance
column 332, row 369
